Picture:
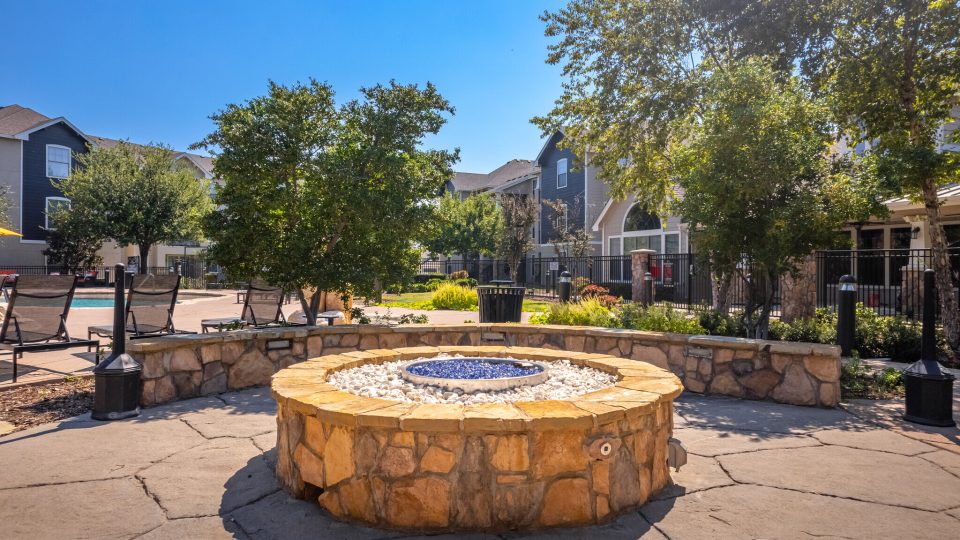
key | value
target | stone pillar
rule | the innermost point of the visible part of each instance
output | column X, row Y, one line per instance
column 639, row 266
column 798, row 299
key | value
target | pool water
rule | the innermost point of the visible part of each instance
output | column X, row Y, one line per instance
column 92, row 302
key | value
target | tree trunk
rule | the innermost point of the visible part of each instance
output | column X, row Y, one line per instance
column 310, row 307
column 721, row 292
column 941, row 266
column 144, row 252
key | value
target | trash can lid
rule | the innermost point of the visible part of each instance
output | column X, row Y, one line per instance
column 121, row 363
column 928, row 369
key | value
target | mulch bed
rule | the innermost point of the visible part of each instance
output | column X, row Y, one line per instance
column 28, row 406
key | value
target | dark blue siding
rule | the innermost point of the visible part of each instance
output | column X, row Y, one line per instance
column 549, row 190
column 36, row 186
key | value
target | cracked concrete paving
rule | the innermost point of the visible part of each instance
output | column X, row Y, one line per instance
column 202, row 468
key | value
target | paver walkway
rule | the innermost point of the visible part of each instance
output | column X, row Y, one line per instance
column 202, row 468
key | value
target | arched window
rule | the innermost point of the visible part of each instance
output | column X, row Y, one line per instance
column 638, row 219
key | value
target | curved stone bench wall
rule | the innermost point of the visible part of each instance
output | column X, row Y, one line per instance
column 177, row 367
column 489, row 467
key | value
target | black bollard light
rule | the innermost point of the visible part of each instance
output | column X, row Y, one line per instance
column 847, row 314
column 564, row 284
column 929, row 389
column 648, row 284
column 117, row 378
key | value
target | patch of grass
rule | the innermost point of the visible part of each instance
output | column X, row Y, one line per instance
column 418, row 300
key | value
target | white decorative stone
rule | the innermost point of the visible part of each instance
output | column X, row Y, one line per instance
column 564, row 380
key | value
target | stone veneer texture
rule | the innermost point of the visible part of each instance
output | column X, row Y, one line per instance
column 177, row 367
column 490, row 467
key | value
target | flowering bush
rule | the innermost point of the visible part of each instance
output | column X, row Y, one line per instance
column 600, row 294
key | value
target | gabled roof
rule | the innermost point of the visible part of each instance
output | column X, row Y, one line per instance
column 204, row 163
column 15, row 119
column 18, row 122
column 509, row 171
column 551, row 140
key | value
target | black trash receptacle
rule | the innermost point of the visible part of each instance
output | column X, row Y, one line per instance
column 499, row 303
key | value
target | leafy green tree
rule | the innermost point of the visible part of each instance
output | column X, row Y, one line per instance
column 321, row 196
column 760, row 192
column 568, row 238
column 891, row 71
column 136, row 195
column 468, row 227
column 520, row 213
column 4, row 206
column 74, row 241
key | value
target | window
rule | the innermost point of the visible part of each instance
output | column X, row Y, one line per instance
column 54, row 204
column 58, row 161
column 562, row 173
column 638, row 219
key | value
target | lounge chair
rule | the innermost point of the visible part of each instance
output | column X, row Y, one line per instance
column 150, row 305
column 262, row 306
column 36, row 316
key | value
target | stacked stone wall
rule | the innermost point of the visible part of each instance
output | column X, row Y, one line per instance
column 179, row 367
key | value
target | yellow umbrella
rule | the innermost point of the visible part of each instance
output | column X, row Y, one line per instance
column 8, row 232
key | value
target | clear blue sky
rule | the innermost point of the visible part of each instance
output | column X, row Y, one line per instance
column 154, row 71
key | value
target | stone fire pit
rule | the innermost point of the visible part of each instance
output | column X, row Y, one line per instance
column 491, row 466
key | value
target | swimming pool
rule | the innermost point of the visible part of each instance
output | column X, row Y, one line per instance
column 94, row 302
column 91, row 302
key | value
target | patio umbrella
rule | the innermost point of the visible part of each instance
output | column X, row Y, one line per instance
column 8, row 232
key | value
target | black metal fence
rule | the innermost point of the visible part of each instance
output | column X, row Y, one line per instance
column 540, row 274
column 195, row 276
column 889, row 281
column 683, row 279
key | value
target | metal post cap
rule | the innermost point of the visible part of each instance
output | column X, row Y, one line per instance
column 565, row 277
column 848, row 283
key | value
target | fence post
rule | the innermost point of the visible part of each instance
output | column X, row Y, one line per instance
column 639, row 267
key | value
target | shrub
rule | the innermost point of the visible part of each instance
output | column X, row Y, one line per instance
column 658, row 319
column 453, row 296
column 435, row 284
column 410, row 318
column 587, row 312
column 600, row 294
column 417, row 288
column 466, row 282
column 578, row 284
column 423, row 278
column 459, row 274
column 856, row 381
column 821, row 328
column 721, row 324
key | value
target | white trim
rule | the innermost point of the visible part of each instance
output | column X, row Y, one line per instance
column 623, row 225
column 603, row 213
column 566, row 173
column 25, row 135
column 46, row 207
column 586, row 187
column 46, row 162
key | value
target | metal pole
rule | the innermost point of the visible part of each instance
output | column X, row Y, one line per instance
column 928, row 342
column 119, row 312
column 846, row 314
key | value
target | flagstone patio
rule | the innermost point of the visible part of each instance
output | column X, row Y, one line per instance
column 203, row 468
